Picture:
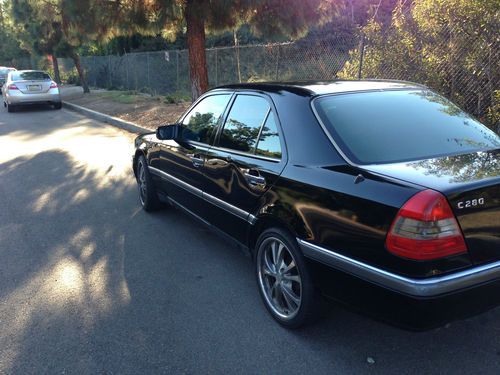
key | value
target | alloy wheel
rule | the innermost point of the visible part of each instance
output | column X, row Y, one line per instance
column 279, row 278
column 142, row 183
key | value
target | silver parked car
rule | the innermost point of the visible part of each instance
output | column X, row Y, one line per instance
column 25, row 87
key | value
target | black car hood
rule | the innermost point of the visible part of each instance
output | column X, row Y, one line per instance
column 448, row 173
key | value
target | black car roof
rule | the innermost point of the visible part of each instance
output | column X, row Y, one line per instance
column 312, row 88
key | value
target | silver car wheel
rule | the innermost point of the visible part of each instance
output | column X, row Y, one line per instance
column 142, row 184
column 279, row 278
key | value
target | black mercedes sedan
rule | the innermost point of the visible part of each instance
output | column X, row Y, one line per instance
column 381, row 194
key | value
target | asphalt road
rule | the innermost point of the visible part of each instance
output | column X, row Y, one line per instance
column 91, row 284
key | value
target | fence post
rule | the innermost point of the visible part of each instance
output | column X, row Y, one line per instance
column 216, row 67
column 361, row 53
column 126, row 67
column 147, row 63
column 95, row 73
column 177, row 70
column 278, row 63
column 109, row 71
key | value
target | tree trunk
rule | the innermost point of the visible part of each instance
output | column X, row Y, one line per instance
column 196, row 49
column 81, row 73
column 55, row 65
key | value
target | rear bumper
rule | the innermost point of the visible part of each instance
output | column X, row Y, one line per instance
column 53, row 96
column 428, row 287
column 416, row 304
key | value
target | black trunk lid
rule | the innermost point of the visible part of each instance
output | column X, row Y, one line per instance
column 471, row 183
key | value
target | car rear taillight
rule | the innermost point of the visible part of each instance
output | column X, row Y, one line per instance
column 12, row 87
column 53, row 85
column 425, row 228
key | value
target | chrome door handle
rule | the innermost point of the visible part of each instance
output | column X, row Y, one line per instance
column 255, row 180
column 197, row 161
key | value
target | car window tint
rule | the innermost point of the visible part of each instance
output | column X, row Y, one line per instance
column 392, row 126
column 269, row 140
column 202, row 120
column 244, row 122
column 30, row 76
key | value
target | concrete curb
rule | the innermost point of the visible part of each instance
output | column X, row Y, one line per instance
column 122, row 124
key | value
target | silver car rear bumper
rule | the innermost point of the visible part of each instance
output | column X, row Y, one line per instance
column 18, row 98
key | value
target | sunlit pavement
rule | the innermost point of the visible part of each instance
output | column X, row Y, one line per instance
column 90, row 284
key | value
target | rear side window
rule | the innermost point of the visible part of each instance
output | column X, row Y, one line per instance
column 244, row 122
column 29, row 76
column 200, row 123
column 269, row 140
column 394, row 126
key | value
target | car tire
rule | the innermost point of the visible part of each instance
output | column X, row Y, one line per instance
column 10, row 108
column 147, row 192
column 284, row 281
column 58, row 105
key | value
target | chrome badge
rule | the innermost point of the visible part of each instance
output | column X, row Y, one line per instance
column 470, row 203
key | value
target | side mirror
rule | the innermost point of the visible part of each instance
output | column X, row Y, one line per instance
column 169, row 132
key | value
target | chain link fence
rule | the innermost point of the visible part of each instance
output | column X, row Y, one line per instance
column 167, row 72
column 462, row 67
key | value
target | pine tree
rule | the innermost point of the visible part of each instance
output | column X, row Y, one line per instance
column 276, row 17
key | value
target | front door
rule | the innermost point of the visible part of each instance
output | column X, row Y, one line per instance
column 182, row 163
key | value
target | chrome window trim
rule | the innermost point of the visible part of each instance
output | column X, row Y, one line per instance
column 428, row 287
column 245, row 154
column 251, row 219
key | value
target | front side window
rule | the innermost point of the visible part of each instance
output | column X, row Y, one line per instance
column 201, row 122
column 244, row 122
column 401, row 125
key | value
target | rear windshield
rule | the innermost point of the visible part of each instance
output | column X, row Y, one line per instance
column 30, row 76
column 4, row 71
column 394, row 126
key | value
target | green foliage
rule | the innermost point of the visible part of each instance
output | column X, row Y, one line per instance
column 449, row 45
column 121, row 97
column 493, row 112
column 176, row 98
column 71, row 77
column 12, row 53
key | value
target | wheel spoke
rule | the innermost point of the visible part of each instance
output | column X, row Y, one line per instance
column 274, row 250
column 268, row 263
column 274, row 290
column 289, row 294
column 295, row 278
column 289, row 267
column 281, row 255
column 267, row 269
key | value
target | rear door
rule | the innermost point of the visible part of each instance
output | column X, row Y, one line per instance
column 246, row 160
